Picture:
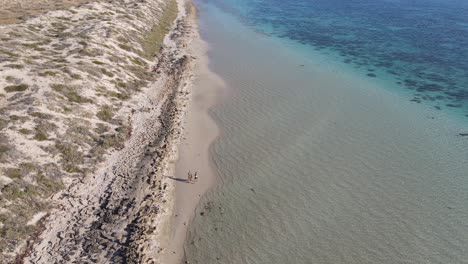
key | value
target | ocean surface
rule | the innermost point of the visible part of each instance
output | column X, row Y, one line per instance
column 342, row 133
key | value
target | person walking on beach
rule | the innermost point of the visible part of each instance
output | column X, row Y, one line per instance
column 189, row 176
column 196, row 176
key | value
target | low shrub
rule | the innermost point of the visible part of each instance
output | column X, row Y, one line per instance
column 16, row 88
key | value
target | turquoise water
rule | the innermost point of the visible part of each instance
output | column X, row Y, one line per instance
column 422, row 46
column 319, row 162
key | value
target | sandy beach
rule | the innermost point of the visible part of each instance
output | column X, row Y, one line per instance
column 194, row 154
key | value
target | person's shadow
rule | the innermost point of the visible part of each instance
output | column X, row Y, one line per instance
column 178, row 179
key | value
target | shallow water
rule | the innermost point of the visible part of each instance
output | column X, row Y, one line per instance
column 320, row 164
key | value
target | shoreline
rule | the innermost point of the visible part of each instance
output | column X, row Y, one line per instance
column 200, row 132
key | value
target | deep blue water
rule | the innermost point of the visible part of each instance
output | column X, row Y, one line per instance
column 421, row 46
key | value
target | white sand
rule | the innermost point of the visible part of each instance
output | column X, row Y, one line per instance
column 36, row 218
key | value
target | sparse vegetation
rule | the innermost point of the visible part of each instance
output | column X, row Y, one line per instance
column 3, row 123
column 125, row 47
column 12, row 192
column 41, row 136
column 10, row 79
column 79, row 132
column 35, row 46
column 66, row 109
column 120, row 84
column 25, row 131
column 122, row 39
column 90, row 52
column 106, row 113
column 28, row 167
column 43, row 128
column 3, row 151
column 106, row 72
column 15, row 66
column 71, row 157
column 13, row 173
column 72, row 74
column 60, row 60
column 115, row 140
column 75, row 76
column 8, row 53
column 101, row 128
column 120, row 96
column 41, row 115
column 51, row 186
column 70, row 92
column 153, row 41
column 48, row 73
column 20, row 118
column 16, row 88
column 138, row 62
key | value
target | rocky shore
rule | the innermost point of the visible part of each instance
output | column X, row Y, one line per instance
column 100, row 97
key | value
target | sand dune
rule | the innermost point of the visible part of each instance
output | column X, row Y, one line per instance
column 92, row 99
